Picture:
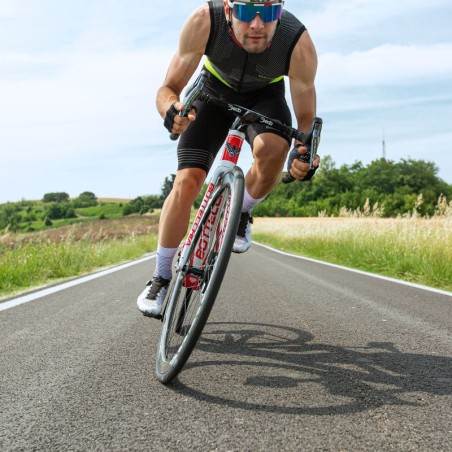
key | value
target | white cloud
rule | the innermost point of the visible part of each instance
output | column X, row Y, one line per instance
column 88, row 101
column 339, row 17
column 9, row 8
column 385, row 65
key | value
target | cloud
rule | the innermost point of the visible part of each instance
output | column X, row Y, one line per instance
column 386, row 65
column 83, row 101
column 334, row 18
column 8, row 9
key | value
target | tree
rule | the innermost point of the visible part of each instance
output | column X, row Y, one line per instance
column 167, row 186
column 85, row 199
column 56, row 211
column 142, row 205
column 56, row 197
column 396, row 188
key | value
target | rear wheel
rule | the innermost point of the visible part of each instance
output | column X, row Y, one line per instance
column 193, row 292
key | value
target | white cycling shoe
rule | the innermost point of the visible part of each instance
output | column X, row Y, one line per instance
column 150, row 301
column 242, row 241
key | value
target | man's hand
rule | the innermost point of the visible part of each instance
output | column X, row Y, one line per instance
column 174, row 122
column 300, row 169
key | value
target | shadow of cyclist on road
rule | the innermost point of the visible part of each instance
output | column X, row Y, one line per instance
column 282, row 359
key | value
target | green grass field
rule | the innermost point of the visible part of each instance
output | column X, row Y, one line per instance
column 35, row 259
column 415, row 250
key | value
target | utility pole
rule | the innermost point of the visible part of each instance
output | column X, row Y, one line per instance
column 384, row 145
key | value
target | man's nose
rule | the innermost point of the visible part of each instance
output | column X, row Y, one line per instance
column 257, row 22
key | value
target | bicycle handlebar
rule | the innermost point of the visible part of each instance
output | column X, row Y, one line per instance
column 191, row 95
column 310, row 139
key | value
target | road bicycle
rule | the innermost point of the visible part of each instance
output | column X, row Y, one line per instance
column 205, row 254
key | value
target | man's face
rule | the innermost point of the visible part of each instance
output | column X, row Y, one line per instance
column 254, row 36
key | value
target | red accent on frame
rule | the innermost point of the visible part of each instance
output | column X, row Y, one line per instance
column 232, row 148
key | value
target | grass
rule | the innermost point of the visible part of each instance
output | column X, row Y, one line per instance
column 107, row 210
column 415, row 250
column 31, row 260
column 412, row 249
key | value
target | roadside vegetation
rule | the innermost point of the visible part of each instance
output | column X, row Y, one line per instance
column 38, row 258
column 417, row 250
column 388, row 218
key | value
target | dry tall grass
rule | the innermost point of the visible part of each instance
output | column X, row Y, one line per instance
column 414, row 249
column 108, row 229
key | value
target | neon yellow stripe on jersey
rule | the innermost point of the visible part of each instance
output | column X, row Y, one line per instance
column 212, row 70
column 277, row 79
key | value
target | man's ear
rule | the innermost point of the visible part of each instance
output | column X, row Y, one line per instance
column 227, row 13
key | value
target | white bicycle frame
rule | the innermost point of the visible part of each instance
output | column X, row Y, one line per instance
column 231, row 152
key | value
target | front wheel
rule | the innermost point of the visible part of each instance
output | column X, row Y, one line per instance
column 194, row 290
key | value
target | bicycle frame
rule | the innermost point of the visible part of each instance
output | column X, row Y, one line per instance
column 230, row 156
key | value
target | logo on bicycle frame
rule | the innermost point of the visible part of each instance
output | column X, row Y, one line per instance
column 233, row 107
column 266, row 121
column 232, row 150
column 233, row 146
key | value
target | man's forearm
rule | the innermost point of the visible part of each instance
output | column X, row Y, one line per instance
column 166, row 96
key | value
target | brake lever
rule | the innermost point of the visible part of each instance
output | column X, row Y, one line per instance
column 191, row 95
column 311, row 140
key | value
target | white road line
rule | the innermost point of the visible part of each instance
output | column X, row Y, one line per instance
column 373, row 275
column 50, row 290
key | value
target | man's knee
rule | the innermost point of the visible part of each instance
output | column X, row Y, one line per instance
column 270, row 148
column 188, row 183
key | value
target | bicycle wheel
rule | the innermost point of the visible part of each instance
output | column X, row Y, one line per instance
column 194, row 290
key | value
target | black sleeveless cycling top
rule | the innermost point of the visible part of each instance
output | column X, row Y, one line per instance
column 243, row 71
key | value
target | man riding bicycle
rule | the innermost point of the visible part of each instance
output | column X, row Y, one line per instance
column 249, row 47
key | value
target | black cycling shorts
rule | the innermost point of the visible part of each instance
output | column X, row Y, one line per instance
column 200, row 143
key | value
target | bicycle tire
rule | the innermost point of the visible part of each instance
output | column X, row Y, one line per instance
column 188, row 309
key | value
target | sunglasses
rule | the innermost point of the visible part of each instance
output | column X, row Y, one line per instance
column 246, row 12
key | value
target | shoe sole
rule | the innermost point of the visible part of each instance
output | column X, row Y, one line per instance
column 152, row 316
column 240, row 251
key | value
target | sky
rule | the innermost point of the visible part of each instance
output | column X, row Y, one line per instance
column 78, row 82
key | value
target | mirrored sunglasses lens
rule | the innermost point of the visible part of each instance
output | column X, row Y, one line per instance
column 247, row 12
column 270, row 13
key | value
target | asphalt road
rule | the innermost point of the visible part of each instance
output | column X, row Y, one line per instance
column 296, row 356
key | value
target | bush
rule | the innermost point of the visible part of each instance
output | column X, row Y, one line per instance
column 86, row 199
column 56, row 197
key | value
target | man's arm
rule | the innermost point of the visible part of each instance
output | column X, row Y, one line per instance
column 192, row 44
column 302, row 72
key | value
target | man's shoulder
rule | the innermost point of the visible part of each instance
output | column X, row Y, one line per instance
column 289, row 18
column 199, row 20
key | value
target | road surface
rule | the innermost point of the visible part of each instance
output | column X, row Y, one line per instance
column 297, row 355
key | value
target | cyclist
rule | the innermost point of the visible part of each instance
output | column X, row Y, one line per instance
column 249, row 47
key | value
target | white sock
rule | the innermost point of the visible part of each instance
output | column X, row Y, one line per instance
column 249, row 202
column 164, row 262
